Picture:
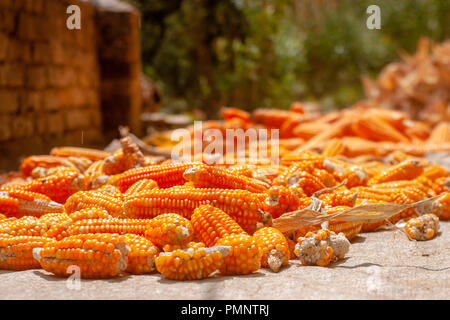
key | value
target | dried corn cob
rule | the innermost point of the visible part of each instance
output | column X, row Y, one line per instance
column 435, row 172
column 423, row 228
column 354, row 174
column 404, row 196
column 372, row 194
column 305, row 181
column 165, row 175
column 111, row 225
column 339, row 197
column 210, row 224
column 244, row 256
column 25, row 226
column 32, row 162
column 325, row 177
column 19, row 203
column 58, row 186
column 321, row 248
column 2, row 217
column 59, row 229
column 169, row 228
column 95, row 175
column 214, row 177
column 274, row 246
column 280, row 200
column 91, row 154
column 440, row 134
column 127, row 157
column 142, row 255
column 139, row 186
column 241, row 205
column 441, row 207
column 406, row 170
column 98, row 199
column 16, row 252
column 421, row 183
column 191, row 264
column 302, row 159
column 349, row 229
column 333, row 148
column 376, row 129
column 441, row 185
column 97, row 255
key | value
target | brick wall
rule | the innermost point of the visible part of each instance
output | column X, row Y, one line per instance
column 55, row 82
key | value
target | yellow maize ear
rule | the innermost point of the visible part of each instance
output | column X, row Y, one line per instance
column 348, row 228
column 304, row 180
column 19, row 203
column 169, row 228
column 58, row 230
column 203, row 176
column 91, row 154
column 244, row 256
column 165, row 175
column 142, row 256
column 111, row 225
column 25, row 226
column 33, row 162
column 58, row 186
column 96, row 255
column 339, row 197
column 302, row 159
column 274, row 246
column 139, row 186
column 435, row 172
column 405, row 196
column 280, row 200
column 327, row 179
column 440, row 134
column 406, row 170
column 441, row 207
column 333, row 148
column 210, row 224
column 354, row 174
column 127, row 157
column 423, row 228
column 243, row 206
column 98, row 199
column 441, row 185
column 16, row 252
column 191, row 264
column 377, row 129
column 321, row 248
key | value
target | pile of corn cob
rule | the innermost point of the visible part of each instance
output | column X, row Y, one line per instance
column 111, row 214
column 351, row 132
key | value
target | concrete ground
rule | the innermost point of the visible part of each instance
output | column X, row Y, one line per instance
column 380, row 265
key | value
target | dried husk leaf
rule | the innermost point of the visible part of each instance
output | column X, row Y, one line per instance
column 367, row 213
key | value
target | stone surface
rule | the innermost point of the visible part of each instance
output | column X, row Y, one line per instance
column 380, row 265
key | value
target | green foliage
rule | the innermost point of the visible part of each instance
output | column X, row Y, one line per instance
column 262, row 53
